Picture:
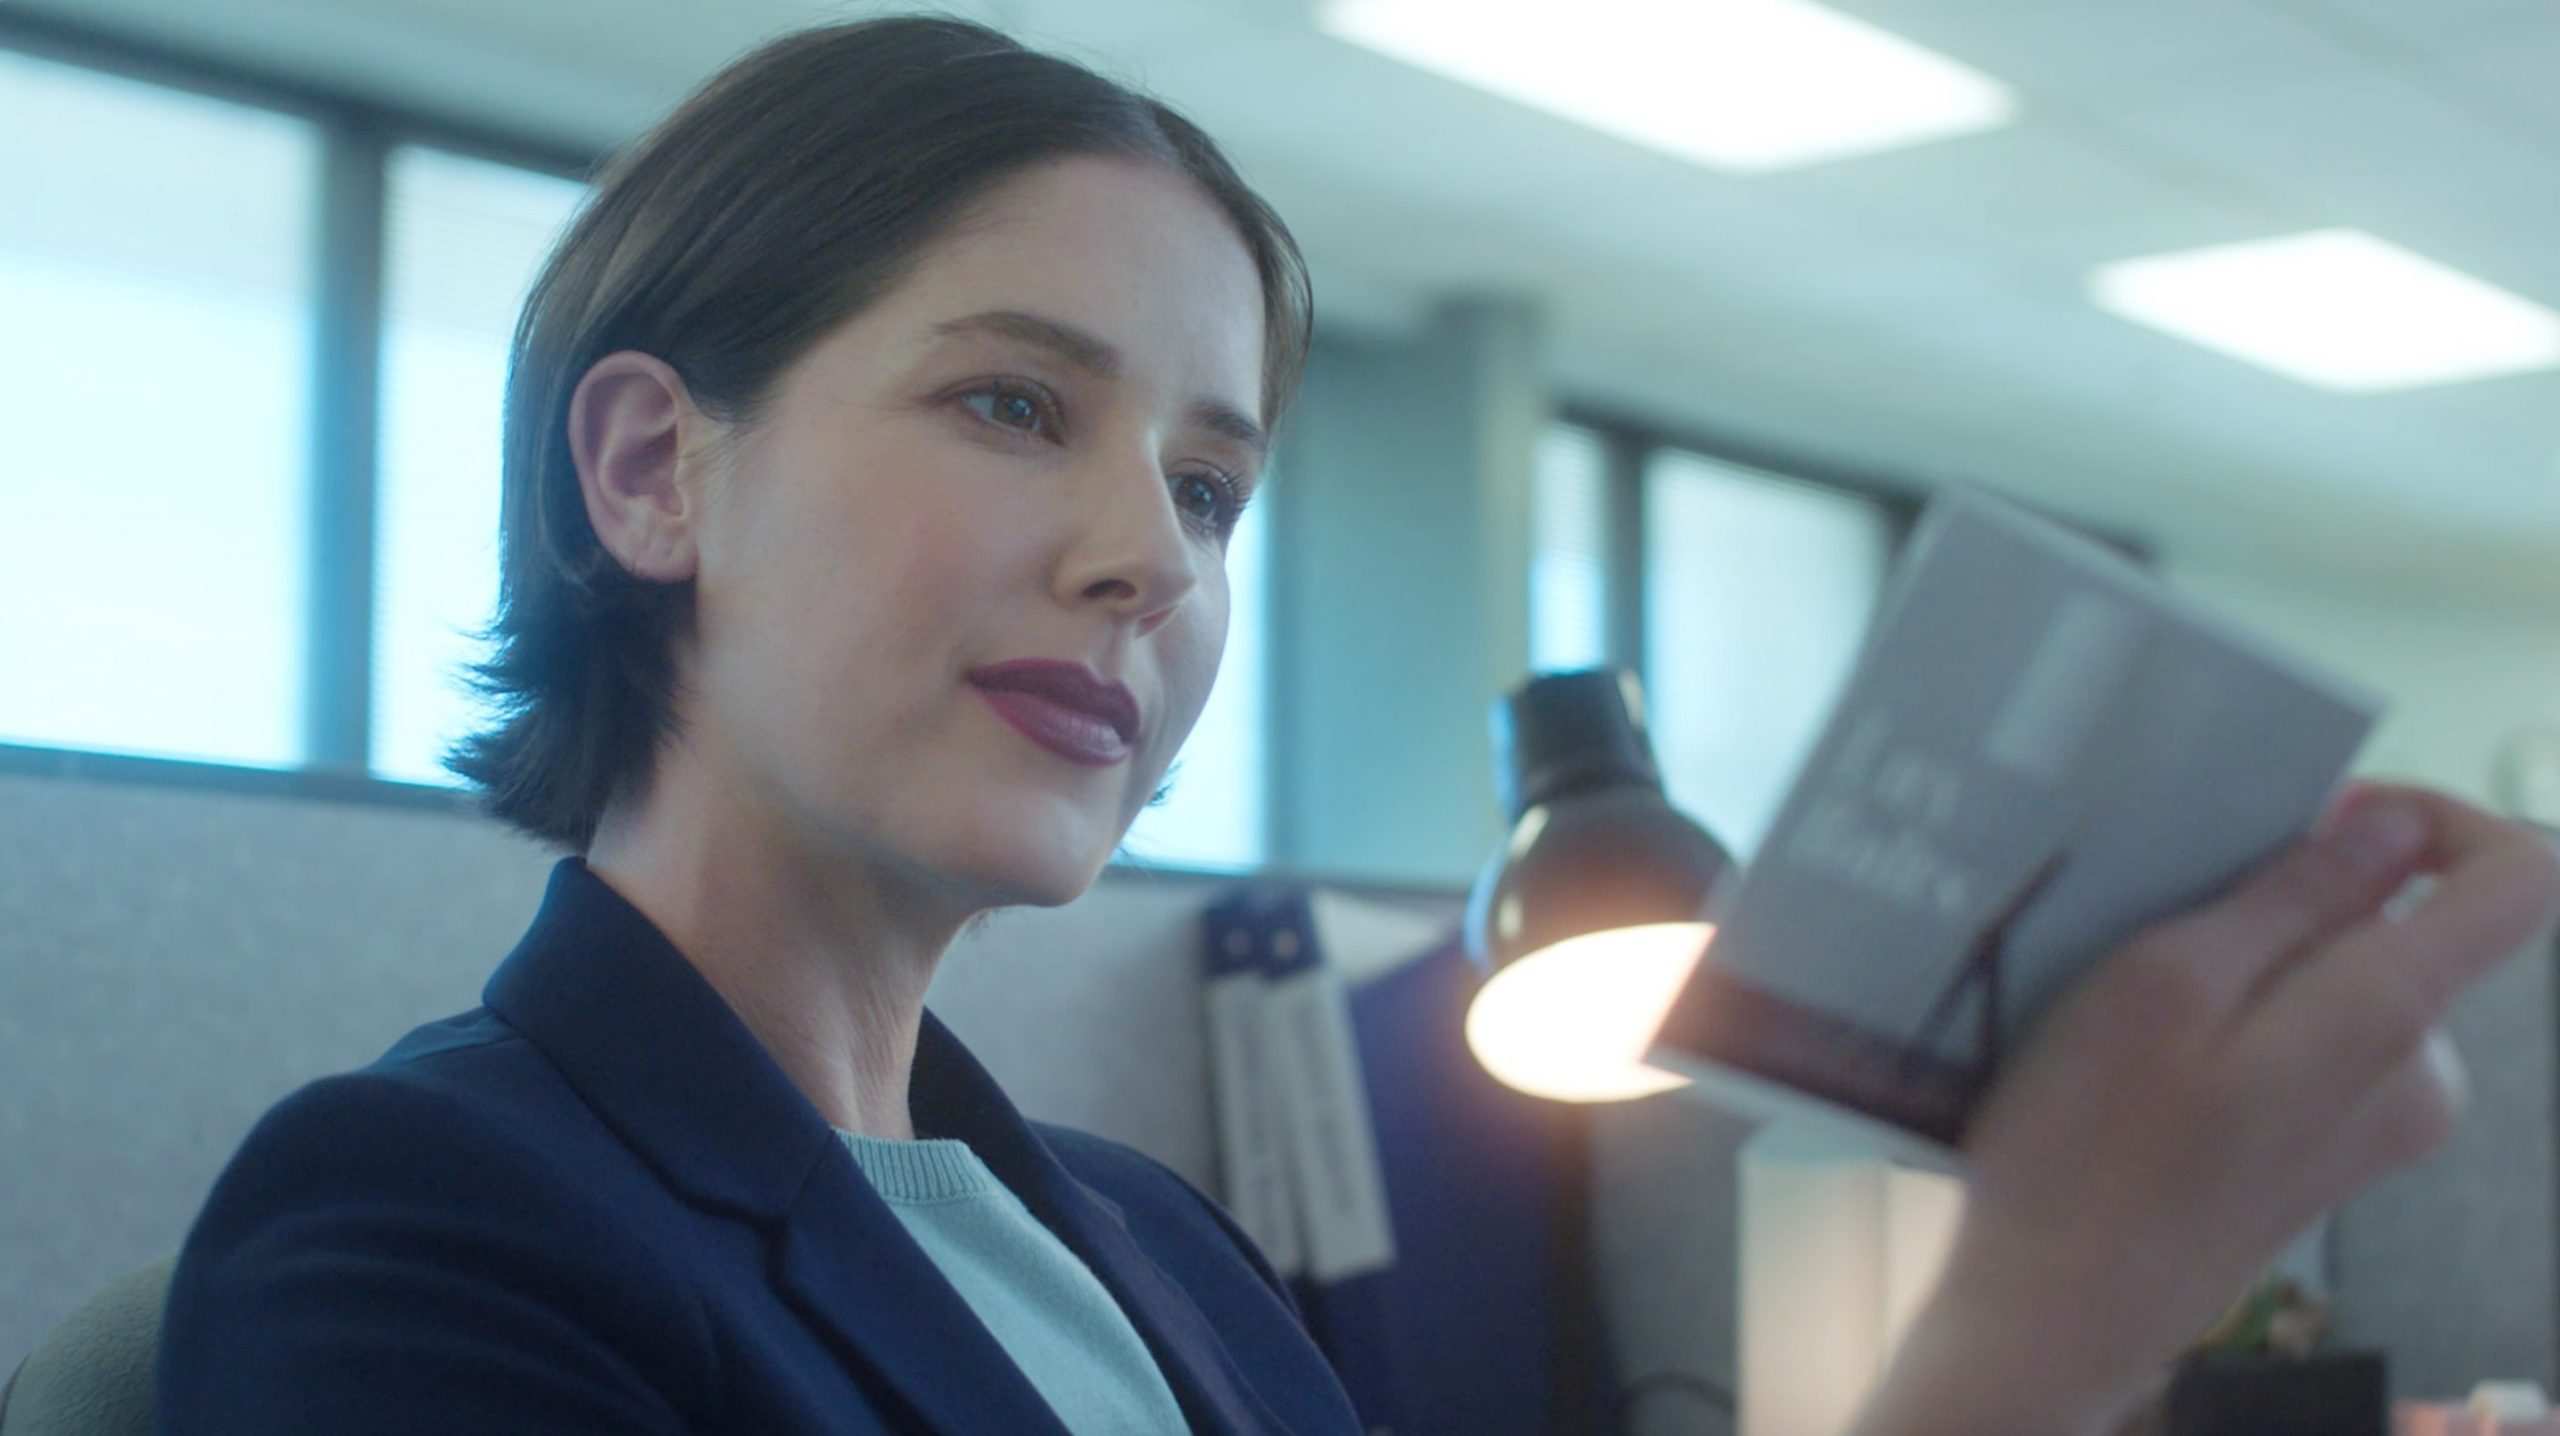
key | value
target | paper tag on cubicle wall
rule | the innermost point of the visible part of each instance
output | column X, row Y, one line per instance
column 1253, row 1153
column 1340, row 1188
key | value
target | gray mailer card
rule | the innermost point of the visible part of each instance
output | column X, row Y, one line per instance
column 2041, row 751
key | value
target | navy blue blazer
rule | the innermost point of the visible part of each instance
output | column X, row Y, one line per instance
column 595, row 1203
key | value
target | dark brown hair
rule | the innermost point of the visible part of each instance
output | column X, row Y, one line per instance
column 787, row 194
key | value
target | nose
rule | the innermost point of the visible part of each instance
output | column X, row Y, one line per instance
column 1129, row 548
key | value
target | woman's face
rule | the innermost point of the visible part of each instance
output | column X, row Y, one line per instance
column 961, row 585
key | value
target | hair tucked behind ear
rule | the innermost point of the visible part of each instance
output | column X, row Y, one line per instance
column 772, row 206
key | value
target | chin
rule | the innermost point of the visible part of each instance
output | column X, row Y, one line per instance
column 1038, row 859
column 1030, row 885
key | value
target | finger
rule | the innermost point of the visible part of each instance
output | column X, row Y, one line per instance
column 2369, row 997
column 2311, row 891
column 2405, row 1117
column 2455, row 827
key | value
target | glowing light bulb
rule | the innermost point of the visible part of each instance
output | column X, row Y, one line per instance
column 1571, row 1021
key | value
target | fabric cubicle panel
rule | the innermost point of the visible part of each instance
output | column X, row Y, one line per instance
column 173, row 960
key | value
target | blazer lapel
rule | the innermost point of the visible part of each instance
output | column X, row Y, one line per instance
column 952, row 1096
column 1187, row 1349
column 852, row 1268
column 669, row 1067
column 664, row 1061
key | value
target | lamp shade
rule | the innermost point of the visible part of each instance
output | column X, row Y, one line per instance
column 1591, row 915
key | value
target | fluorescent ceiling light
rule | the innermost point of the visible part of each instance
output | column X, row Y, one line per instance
column 2337, row 308
column 1737, row 84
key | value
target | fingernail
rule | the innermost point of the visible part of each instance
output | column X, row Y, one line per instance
column 2380, row 837
column 2444, row 1063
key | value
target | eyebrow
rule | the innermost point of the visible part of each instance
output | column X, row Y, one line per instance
column 1095, row 355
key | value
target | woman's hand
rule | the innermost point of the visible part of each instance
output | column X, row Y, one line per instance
column 2213, row 1087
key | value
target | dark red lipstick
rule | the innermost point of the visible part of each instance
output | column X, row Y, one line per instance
column 1066, row 708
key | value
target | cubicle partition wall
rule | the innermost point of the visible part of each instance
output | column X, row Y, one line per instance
column 180, row 947
column 175, row 958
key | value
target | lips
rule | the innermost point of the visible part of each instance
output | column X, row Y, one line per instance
column 1064, row 707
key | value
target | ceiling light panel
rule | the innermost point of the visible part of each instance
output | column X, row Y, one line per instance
column 1741, row 85
column 2337, row 308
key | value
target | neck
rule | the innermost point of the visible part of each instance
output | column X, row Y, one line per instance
column 824, row 955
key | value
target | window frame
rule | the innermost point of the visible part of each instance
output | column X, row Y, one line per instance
column 1633, row 440
column 356, row 136
column 354, row 139
column 1632, row 443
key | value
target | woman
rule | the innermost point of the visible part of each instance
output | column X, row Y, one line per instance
column 872, row 444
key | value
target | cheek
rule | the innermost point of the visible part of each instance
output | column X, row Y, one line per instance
column 921, row 568
column 859, row 611
column 1192, row 643
column 908, row 571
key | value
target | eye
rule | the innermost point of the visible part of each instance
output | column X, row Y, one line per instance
column 1210, row 500
column 1014, row 406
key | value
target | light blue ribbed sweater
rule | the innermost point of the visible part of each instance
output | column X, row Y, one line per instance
column 1044, row 1305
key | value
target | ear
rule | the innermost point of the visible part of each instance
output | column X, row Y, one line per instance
column 629, row 424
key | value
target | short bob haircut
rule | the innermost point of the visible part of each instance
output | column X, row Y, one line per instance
column 776, row 203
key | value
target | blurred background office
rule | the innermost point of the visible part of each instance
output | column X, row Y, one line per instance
column 1645, row 326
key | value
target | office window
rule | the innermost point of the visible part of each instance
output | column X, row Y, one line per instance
column 156, row 309
column 463, row 241
column 1758, row 591
column 1569, row 566
column 1214, row 815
